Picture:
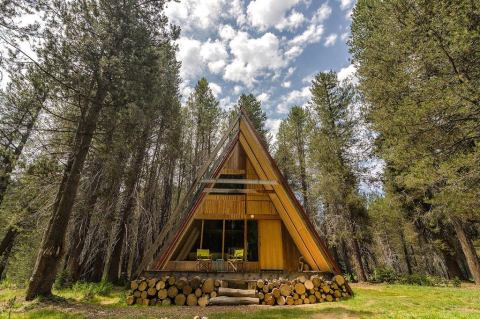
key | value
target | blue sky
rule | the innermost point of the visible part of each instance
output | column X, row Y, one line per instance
column 270, row 48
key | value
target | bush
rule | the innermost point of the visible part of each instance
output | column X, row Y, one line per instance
column 416, row 279
column 384, row 274
column 388, row 275
column 63, row 280
column 90, row 289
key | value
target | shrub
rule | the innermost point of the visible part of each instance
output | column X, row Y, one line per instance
column 90, row 289
column 63, row 280
column 416, row 279
column 384, row 274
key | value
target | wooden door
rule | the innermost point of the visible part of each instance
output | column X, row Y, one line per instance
column 270, row 244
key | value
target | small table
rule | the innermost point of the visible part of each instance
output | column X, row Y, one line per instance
column 219, row 265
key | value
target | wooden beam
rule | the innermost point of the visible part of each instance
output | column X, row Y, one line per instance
column 201, row 234
column 236, row 191
column 223, row 240
column 239, row 181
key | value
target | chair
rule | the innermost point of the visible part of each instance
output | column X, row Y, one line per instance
column 204, row 260
column 236, row 260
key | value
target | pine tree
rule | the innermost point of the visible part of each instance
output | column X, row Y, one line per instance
column 292, row 153
column 253, row 108
column 330, row 154
column 417, row 65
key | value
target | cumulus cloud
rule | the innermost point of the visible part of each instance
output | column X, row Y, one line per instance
column 347, row 73
column 322, row 13
column 273, row 125
column 331, row 39
column 214, row 54
column 263, row 97
column 252, row 56
column 195, row 56
column 190, row 14
column 191, row 61
column 237, row 89
column 295, row 97
column 292, row 22
column 216, row 89
column 286, row 84
column 226, row 32
column 346, row 4
column 264, row 14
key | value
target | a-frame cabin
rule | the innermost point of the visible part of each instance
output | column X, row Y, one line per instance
column 241, row 202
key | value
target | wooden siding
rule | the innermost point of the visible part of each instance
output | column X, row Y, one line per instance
column 236, row 160
column 222, row 207
column 270, row 253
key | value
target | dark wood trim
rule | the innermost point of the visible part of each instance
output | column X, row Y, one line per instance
column 239, row 181
column 236, row 191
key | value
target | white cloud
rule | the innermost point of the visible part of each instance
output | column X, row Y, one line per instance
column 216, row 89
column 226, row 32
column 345, row 36
column 267, row 13
column 196, row 55
column 191, row 61
column 331, row 39
column 308, row 79
column 293, row 21
column 311, row 35
column 215, row 55
column 290, row 72
column 263, row 97
column 347, row 73
column 293, row 52
column 237, row 89
column 322, row 13
column 226, row 103
column 286, row 84
column 237, row 11
column 346, row 4
column 273, row 125
column 252, row 57
column 295, row 97
column 192, row 14
column 348, row 15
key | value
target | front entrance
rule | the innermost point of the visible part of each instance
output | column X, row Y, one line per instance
column 270, row 244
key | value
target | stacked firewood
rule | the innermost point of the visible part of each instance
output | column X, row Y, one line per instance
column 301, row 290
column 170, row 290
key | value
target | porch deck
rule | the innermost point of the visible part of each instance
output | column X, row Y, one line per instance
column 237, row 276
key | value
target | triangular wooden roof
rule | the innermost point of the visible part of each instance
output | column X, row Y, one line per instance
column 291, row 212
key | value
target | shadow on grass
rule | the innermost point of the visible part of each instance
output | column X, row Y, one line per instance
column 295, row 312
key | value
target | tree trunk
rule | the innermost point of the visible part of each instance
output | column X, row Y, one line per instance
column 52, row 246
column 468, row 250
column 357, row 260
column 405, row 252
column 6, row 247
column 345, row 258
column 82, row 223
column 112, row 265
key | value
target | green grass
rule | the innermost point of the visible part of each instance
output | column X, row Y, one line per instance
column 370, row 301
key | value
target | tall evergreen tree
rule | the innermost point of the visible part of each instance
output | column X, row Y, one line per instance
column 107, row 43
column 331, row 158
column 205, row 114
column 292, row 152
column 253, row 108
column 417, row 65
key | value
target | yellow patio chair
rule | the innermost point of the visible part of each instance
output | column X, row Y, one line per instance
column 204, row 260
column 235, row 261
